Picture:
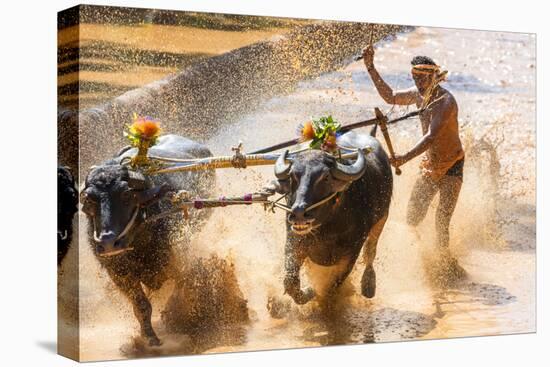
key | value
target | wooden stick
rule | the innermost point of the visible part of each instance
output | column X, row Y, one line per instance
column 371, row 27
column 384, row 128
column 208, row 163
column 344, row 129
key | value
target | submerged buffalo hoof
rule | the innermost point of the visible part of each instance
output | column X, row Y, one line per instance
column 368, row 283
column 303, row 297
column 278, row 307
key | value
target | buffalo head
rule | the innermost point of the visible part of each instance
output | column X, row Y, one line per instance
column 312, row 177
column 112, row 198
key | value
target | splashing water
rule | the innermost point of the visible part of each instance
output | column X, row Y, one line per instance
column 492, row 232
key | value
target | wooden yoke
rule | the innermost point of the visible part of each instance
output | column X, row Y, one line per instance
column 383, row 123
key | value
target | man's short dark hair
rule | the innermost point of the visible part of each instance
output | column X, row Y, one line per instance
column 419, row 60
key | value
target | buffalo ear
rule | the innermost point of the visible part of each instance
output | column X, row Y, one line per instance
column 152, row 195
column 277, row 186
column 282, row 186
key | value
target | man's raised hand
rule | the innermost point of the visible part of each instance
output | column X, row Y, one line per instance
column 368, row 56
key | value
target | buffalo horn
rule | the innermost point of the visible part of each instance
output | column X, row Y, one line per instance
column 282, row 169
column 352, row 172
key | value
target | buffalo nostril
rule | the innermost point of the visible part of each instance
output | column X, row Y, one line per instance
column 292, row 219
column 298, row 213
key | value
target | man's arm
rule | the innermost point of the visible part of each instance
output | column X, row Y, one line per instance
column 441, row 113
column 402, row 97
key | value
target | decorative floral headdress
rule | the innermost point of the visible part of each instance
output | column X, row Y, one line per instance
column 142, row 134
column 322, row 132
column 143, row 128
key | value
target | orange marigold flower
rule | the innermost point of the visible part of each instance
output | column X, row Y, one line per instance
column 145, row 127
column 308, row 132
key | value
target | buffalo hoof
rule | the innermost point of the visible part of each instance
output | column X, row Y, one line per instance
column 154, row 341
column 368, row 283
column 303, row 297
column 278, row 307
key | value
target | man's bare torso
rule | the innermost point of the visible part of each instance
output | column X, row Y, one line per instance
column 446, row 148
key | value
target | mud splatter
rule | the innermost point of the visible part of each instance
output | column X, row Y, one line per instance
column 208, row 298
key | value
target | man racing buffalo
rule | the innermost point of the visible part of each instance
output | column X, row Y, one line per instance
column 443, row 161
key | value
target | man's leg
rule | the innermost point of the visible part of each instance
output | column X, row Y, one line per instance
column 449, row 190
column 422, row 194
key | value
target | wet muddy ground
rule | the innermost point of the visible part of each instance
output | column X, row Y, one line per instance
column 492, row 233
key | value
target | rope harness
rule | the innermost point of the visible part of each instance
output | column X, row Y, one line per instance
column 182, row 204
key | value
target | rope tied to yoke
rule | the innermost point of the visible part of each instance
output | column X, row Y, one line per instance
column 239, row 159
column 181, row 203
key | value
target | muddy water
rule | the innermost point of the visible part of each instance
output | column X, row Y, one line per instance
column 492, row 233
column 115, row 58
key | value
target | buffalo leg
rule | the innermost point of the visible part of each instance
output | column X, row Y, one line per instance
column 294, row 260
column 142, row 307
column 368, row 281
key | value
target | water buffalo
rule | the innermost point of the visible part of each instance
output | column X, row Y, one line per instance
column 336, row 209
column 117, row 201
column 67, row 206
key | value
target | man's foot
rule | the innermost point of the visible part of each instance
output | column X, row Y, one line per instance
column 449, row 268
column 455, row 270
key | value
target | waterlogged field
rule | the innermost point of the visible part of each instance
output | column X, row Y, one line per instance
column 493, row 229
column 114, row 59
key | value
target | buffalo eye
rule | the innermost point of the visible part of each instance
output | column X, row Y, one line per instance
column 294, row 180
column 284, row 186
column 128, row 195
column 85, row 197
column 89, row 203
column 323, row 179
